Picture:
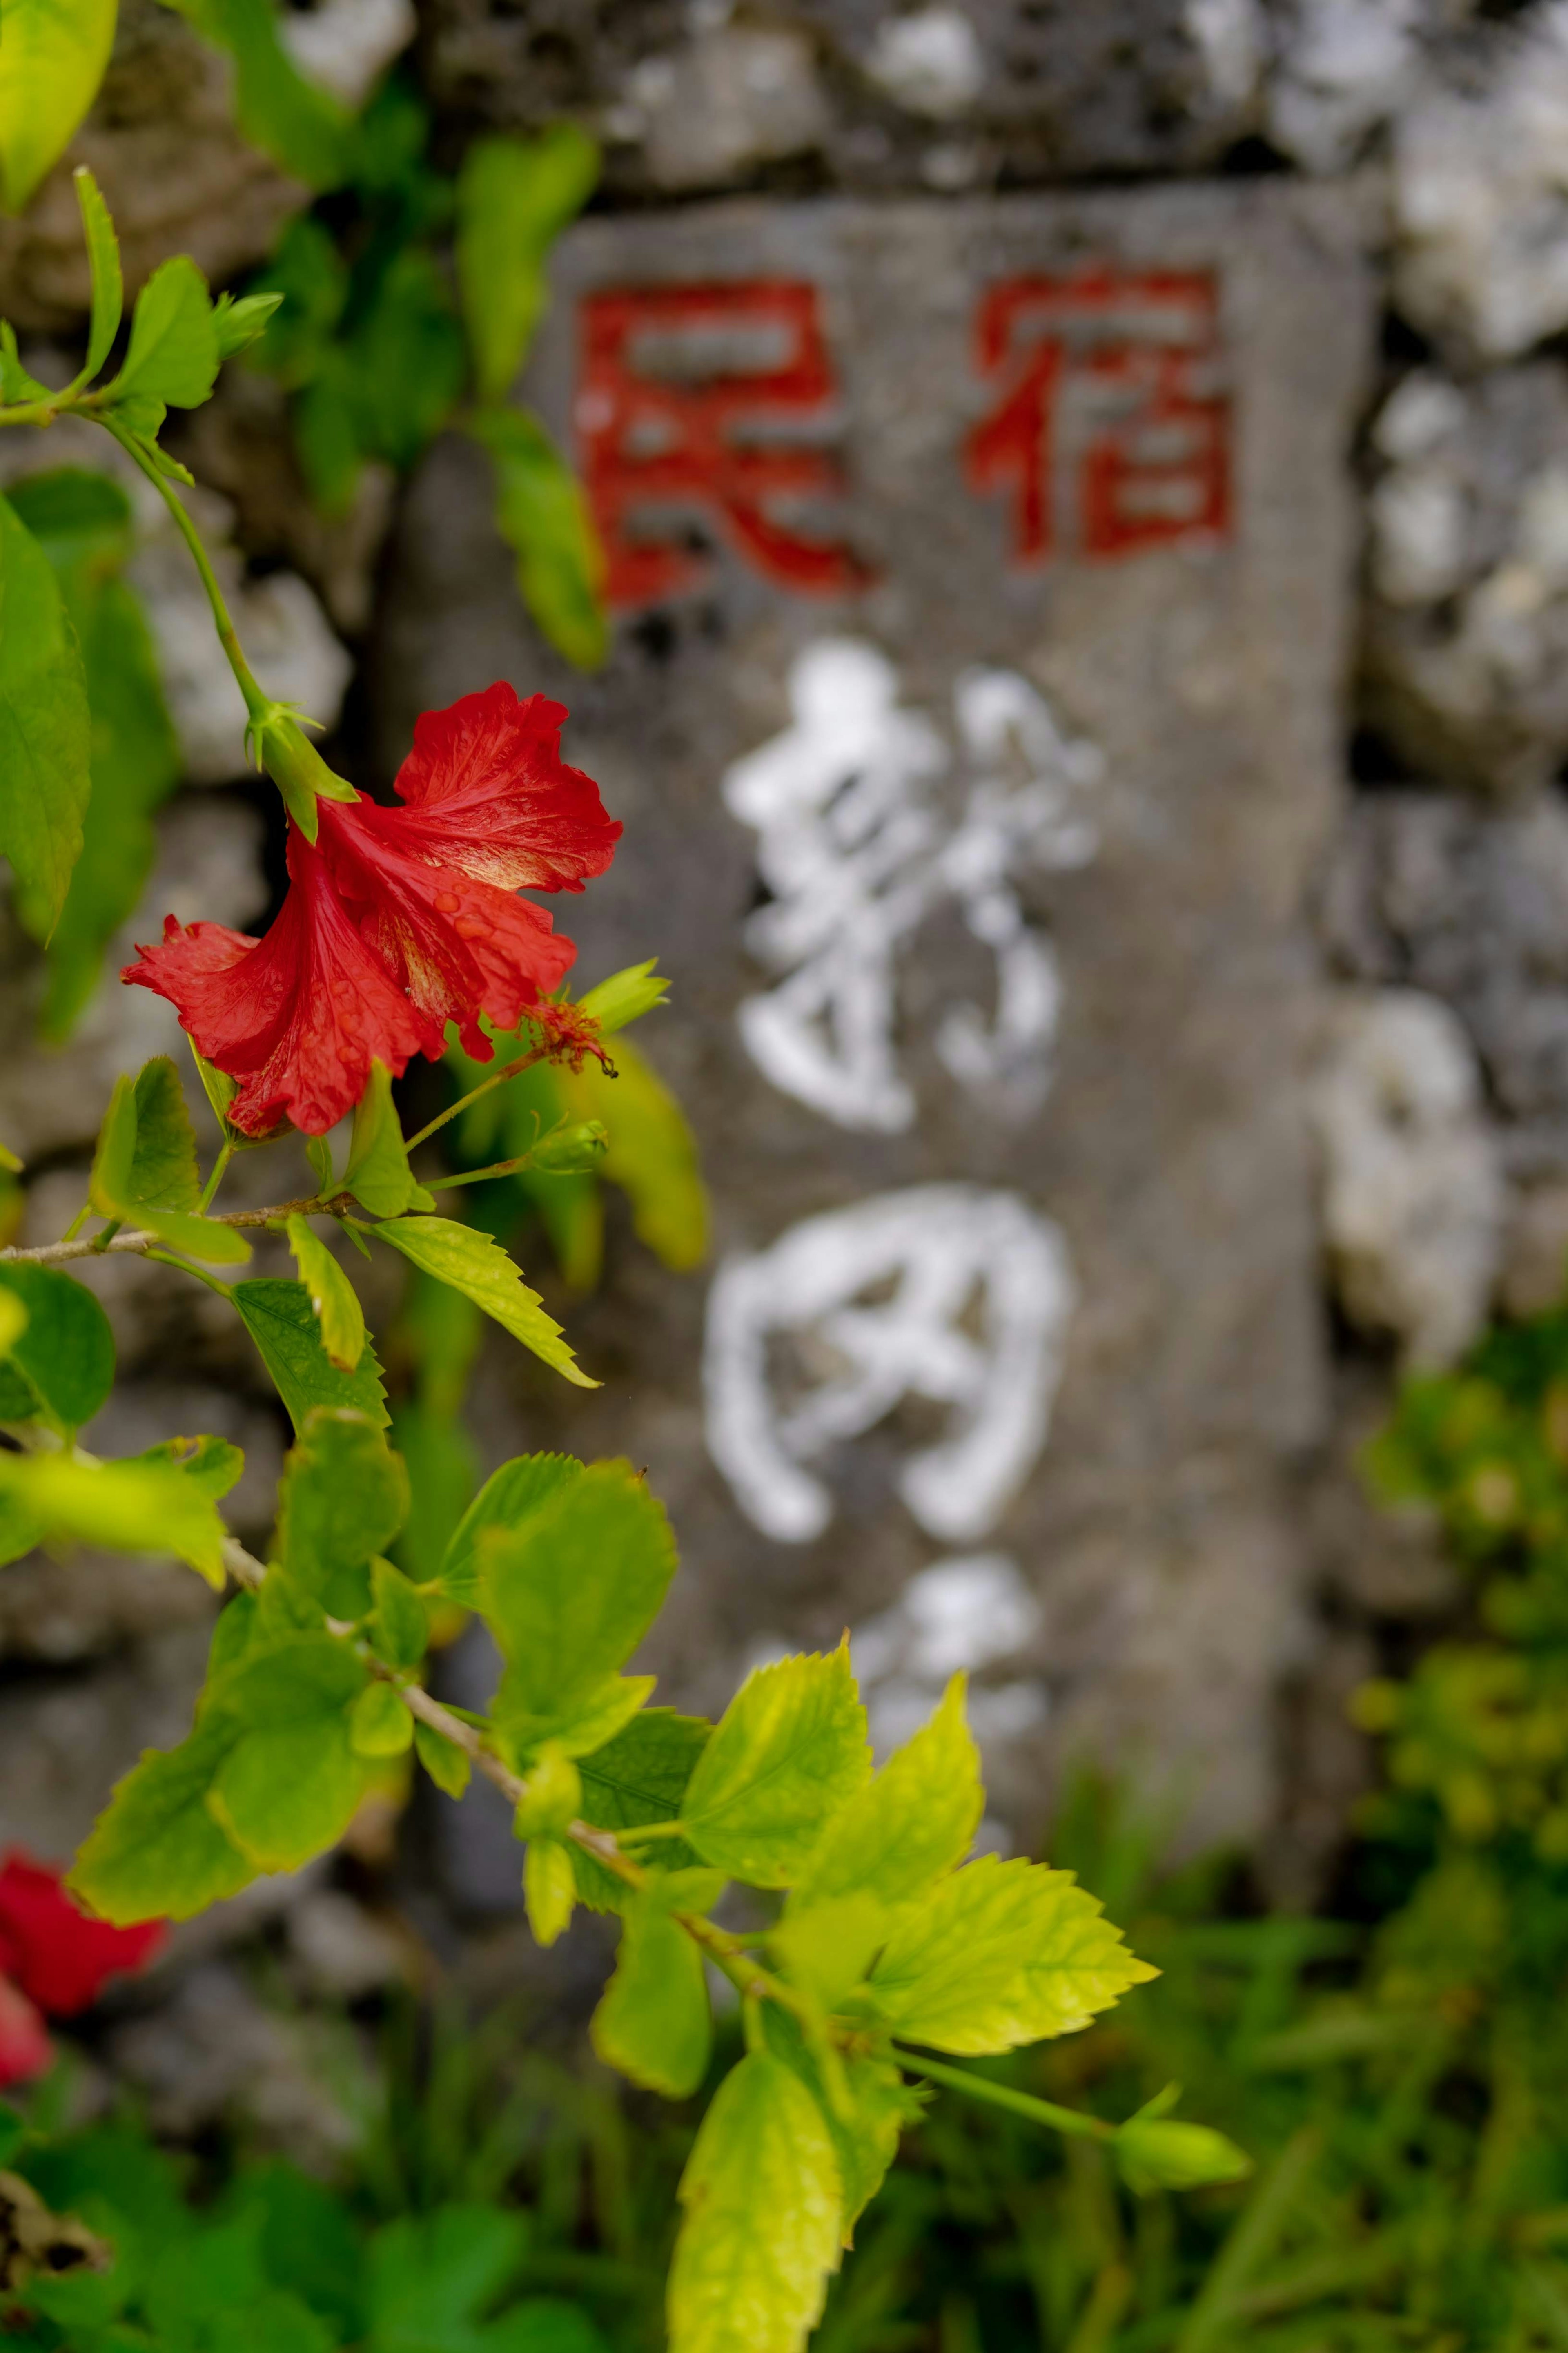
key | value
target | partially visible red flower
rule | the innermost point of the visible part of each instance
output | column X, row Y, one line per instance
column 399, row 921
column 25, row 2049
column 53, row 1959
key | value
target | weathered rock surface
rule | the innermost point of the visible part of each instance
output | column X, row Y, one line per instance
column 973, row 802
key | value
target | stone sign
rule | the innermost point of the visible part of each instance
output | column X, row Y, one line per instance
column 982, row 575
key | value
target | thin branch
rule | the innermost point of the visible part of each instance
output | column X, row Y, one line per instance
column 139, row 1244
column 1072, row 2121
column 496, row 1079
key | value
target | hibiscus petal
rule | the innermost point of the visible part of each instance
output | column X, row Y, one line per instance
column 297, row 1017
column 58, row 1958
column 485, row 790
column 459, row 947
column 24, row 2045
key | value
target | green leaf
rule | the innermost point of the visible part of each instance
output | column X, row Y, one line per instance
column 654, row 2024
column 211, row 1464
column 333, row 1299
column 827, row 1948
column 281, row 1320
column 472, row 1263
column 1004, row 1953
column 640, row 1776
column 135, row 766
column 129, row 1507
column 915, row 1821
column 380, row 1725
column 405, row 363
column 15, row 383
column 442, row 1467
column 549, row 1888
column 402, row 1631
column 76, row 516
column 378, row 1173
column 652, row 1155
column 343, row 1498
column 66, row 1353
column 156, row 1852
column 542, row 514
column 514, row 198
column 291, row 1781
column 173, row 355
column 872, row 2108
column 45, row 737
column 576, row 1730
column 571, row 1594
column 103, row 258
column 788, row 1751
column 552, row 1795
column 52, row 58
column 238, row 323
column 626, row 997
column 761, row 2233
column 12, row 2131
column 507, row 1499
column 145, row 1167
column 431, row 2276
column 447, row 1764
column 300, row 125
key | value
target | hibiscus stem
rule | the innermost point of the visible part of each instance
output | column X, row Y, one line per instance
column 256, row 703
column 220, row 1166
column 496, row 1079
column 223, row 1290
column 1001, row 2096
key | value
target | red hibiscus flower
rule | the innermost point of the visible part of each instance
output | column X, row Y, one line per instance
column 53, row 1961
column 397, row 921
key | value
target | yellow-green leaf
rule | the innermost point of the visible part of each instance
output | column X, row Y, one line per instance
column 103, row 258
column 128, row 1506
column 332, row 1296
column 654, row 2024
column 760, row 2231
column 478, row 1267
column 915, row 1821
column 52, row 58
column 45, row 737
column 787, row 1752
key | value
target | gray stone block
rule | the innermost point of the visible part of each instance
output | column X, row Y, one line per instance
column 975, row 731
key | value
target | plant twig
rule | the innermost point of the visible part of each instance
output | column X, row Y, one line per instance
column 256, row 703
column 496, row 1079
column 1001, row 2096
column 144, row 1245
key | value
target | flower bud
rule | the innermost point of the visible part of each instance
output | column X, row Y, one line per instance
column 1154, row 2153
column 281, row 747
column 569, row 1151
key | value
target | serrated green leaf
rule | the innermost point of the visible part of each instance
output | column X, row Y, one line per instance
column 333, row 1298
column 760, row 2231
column 103, row 258
column 76, row 516
column 402, row 1631
column 914, row 1822
column 654, row 2024
column 544, row 515
column 15, row 383
column 379, row 1724
column 66, row 1353
column 281, row 1320
column 788, row 1751
column 571, row 1594
column 164, row 1170
column 514, row 198
column 640, row 1776
column 290, row 1782
column 442, row 1467
column 156, row 1851
column 447, row 1764
column 549, row 1888
column 343, row 1498
column 285, row 1605
column 233, row 1634
column 378, row 1175
column 173, row 355
column 212, row 1464
column 507, row 1500
column 46, row 736
column 52, row 58
column 827, row 1948
column 472, row 1263
column 1003, row 1954
column 133, row 1506
column 624, row 997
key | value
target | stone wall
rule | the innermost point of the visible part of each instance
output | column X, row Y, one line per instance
column 1088, row 498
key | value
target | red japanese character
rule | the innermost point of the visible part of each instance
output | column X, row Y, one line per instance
column 709, row 400
column 1112, row 431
